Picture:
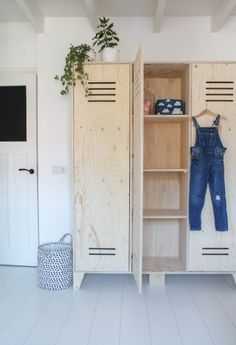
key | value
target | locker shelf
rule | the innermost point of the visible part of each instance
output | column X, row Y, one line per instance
column 165, row 170
column 166, row 118
column 163, row 214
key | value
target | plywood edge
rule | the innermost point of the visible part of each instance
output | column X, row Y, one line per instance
column 77, row 279
column 164, row 214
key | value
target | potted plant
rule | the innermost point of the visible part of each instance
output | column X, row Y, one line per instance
column 106, row 39
column 74, row 68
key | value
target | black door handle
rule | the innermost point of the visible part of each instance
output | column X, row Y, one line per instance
column 31, row 171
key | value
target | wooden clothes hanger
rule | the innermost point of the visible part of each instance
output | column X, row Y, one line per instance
column 207, row 111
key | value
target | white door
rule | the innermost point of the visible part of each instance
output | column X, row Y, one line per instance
column 18, row 188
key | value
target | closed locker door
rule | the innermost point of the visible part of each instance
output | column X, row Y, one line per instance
column 213, row 87
column 101, row 169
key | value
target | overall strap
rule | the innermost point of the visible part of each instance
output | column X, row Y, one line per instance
column 199, row 138
column 216, row 122
column 196, row 124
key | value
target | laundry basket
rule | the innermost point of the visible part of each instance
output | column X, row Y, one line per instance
column 55, row 264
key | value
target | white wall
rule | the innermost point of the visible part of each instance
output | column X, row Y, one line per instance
column 18, row 46
column 55, row 125
column 180, row 39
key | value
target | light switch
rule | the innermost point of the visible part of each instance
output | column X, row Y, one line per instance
column 59, row 169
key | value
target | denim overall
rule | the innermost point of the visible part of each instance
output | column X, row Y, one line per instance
column 207, row 167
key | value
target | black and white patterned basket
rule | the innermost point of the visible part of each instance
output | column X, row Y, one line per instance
column 55, row 264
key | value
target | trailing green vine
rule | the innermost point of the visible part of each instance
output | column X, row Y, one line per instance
column 74, row 68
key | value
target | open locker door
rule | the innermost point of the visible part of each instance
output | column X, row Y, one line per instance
column 138, row 169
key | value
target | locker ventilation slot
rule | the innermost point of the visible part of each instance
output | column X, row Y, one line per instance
column 102, row 91
column 220, row 251
column 102, row 251
column 219, row 91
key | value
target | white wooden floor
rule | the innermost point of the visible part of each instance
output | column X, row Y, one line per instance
column 190, row 310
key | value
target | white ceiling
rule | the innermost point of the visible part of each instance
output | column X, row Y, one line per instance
column 17, row 11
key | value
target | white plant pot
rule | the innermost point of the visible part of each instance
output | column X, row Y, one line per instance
column 110, row 54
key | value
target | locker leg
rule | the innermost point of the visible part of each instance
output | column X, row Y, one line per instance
column 77, row 279
column 157, row 279
column 234, row 277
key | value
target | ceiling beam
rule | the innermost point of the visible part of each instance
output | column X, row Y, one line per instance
column 159, row 14
column 221, row 14
column 91, row 12
column 32, row 13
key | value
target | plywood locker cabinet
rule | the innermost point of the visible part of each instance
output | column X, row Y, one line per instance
column 101, row 171
column 132, row 170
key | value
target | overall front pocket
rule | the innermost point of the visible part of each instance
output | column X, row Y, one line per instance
column 219, row 152
column 196, row 152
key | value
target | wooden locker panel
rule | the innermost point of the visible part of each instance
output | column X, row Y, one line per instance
column 213, row 86
column 101, row 169
column 162, row 145
column 138, row 170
